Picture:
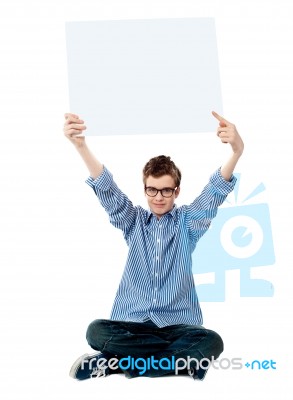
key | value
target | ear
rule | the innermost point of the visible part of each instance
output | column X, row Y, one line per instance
column 177, row 191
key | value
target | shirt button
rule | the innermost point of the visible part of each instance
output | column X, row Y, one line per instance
column 158, row 240
column 155, row 300
column 156, row 274
column 156, row 288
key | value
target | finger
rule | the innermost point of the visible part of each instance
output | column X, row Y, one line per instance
column 66, row 115
column 73, row 128
column 220, row 118
column 224, row 135
column 70, row 115
column 73, row 132
column 72, row 118
column 223, row 129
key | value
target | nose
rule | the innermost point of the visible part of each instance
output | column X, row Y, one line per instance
column 159, row 196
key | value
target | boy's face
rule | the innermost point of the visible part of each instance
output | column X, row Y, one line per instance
column 159, row 204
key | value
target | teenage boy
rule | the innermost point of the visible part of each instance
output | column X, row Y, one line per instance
column 156, row 315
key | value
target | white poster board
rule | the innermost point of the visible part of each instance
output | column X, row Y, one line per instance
column 144, row 76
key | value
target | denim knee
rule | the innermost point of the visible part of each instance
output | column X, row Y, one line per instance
column 216, row 343
column 95, row 334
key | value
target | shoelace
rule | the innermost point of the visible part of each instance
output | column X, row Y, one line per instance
column 191, row 372
column 98, row 373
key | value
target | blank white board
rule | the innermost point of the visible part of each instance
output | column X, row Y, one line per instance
column 144, row 76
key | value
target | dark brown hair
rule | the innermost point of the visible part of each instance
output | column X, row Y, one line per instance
column 159, row 166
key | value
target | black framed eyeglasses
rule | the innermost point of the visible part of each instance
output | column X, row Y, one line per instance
column 165, row 192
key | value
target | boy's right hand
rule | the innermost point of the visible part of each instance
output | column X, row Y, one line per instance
column 73, row 128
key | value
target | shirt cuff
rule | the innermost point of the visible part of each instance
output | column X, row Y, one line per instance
column 220, row 184
column 102, row 182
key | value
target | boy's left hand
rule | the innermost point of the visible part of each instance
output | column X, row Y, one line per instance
column 227, row 132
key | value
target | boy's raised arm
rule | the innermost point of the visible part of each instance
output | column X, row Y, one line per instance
column 73, row 129
column 227, row 132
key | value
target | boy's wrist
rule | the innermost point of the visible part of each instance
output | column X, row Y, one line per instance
column 237, row 153
column 80, row 146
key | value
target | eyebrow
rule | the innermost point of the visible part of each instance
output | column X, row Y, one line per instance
column 165, row 187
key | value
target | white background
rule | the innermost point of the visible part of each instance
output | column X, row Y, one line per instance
column 61, row 261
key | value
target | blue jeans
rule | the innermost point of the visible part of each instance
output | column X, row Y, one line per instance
column 121, row 339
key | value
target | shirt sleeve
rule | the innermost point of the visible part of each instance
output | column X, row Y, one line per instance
column 122, row 213
column 204, row 208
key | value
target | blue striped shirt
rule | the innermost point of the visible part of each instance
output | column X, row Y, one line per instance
column 157, row 282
